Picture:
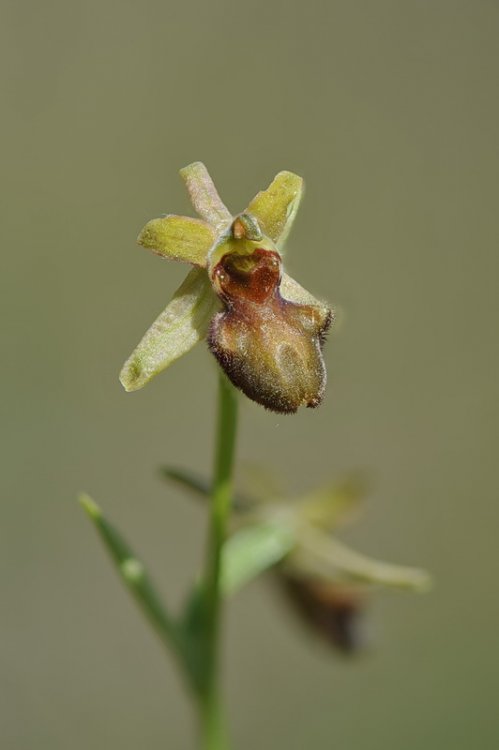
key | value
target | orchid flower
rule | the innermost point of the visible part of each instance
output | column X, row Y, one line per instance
column 264, row 329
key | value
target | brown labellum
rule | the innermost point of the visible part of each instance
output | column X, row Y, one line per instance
column 270, row 347
column 332, row 611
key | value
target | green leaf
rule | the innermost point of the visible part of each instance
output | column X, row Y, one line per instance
column 188, row 480
column 178, row 238
column 201, row 486
column 275, row 208
column 251, row 551
column 178, row 328
column 133, row 574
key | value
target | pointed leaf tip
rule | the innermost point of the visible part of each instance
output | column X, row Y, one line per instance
column 89, row 506
column 133, row 573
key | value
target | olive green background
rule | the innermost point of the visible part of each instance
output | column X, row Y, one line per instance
column 390, row 111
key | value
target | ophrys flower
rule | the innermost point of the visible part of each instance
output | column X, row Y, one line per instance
column 265, row 330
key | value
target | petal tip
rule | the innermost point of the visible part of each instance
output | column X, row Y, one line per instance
column 181, row 238
column 132, row 376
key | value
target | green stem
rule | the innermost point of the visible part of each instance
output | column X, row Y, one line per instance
column 213, row 728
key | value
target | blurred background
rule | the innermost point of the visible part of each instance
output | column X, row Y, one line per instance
column 390, row 112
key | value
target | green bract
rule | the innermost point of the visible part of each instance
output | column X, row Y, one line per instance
column 265, row 330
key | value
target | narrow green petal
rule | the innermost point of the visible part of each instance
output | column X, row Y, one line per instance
column 275, row 208
column 178, row 238
column 180, row 326
column 204, row 195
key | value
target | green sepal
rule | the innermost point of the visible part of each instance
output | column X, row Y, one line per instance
column 204, row 195
column 275, row 208
column 178, row 238
column 178, row 328
column 324, row 556
column 251, row 551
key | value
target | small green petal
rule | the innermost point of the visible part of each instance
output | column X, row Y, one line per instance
column 275, row 208
column 178, row 238
column 180, row 326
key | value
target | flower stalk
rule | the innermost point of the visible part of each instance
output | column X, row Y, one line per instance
column 214, row 736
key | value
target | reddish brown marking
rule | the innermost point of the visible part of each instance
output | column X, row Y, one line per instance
column 253, row 278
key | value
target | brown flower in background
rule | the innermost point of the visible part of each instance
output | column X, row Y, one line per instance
column 333, row 611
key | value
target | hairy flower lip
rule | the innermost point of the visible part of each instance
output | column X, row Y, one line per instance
column 268, row 353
